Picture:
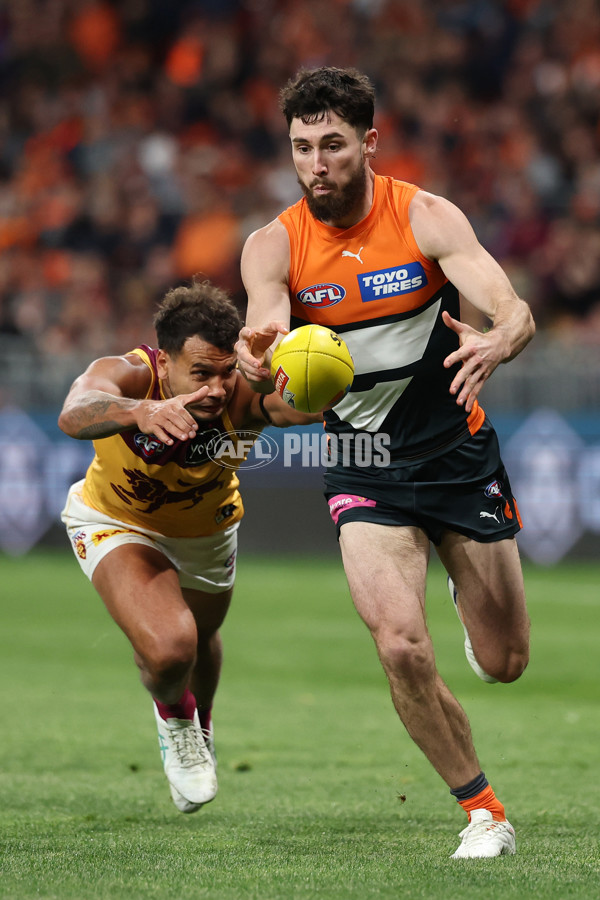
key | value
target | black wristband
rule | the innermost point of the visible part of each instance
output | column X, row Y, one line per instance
column 261, row 403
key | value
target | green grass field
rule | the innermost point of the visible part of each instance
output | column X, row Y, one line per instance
column 322, row 794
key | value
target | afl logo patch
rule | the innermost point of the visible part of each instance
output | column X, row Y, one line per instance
column 319, row 296
column 148, row 446
column 493, row 490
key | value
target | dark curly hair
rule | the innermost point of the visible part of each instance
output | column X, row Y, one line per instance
column 201, row 309
column 311, row 93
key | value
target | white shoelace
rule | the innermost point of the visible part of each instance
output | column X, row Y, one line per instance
column 189, row 746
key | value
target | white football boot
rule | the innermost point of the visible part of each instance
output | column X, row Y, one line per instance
column 179, row 800
column 468, row 646
column 484, row 837
column 189, row 761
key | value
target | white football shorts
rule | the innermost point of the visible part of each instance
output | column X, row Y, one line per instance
column 202, row 563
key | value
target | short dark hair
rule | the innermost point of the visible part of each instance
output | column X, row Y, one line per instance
column 313, row 92
column 200, row 309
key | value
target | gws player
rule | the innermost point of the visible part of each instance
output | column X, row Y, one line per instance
column 383, row 262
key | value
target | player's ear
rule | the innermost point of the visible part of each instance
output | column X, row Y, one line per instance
column 370, row 143
column 162, row 359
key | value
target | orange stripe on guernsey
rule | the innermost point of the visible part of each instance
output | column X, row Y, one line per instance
column 366, row 293
column 476, row 418
column 372, row 284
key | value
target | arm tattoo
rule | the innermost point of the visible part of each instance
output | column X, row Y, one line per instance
column 90, row 418
column 99, row 430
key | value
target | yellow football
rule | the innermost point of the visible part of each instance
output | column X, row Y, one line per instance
column 312, row 368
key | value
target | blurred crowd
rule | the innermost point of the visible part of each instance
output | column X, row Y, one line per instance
column 141, row 142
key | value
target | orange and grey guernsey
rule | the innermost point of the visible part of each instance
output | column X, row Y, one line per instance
column 175, row 490
column 373, row 286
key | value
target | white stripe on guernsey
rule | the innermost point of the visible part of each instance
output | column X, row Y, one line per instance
column 380, row 347
column 377, row 349
column 366, row 410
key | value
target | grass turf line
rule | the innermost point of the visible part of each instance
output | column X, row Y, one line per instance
column 322, row 794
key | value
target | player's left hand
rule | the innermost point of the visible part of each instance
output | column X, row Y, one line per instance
column 479, row 354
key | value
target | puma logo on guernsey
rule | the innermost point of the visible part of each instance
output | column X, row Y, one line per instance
column 354, row 255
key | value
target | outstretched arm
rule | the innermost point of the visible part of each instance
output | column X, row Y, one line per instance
column 265, row 267
column 109, row 397
column 249, row 409
column 282, row 415
column 443, row 233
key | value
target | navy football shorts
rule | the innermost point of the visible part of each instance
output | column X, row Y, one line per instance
column 465, row 490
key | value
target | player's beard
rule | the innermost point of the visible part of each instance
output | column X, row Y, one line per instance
column 342, row 202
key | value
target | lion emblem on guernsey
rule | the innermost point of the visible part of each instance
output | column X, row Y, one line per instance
column 155, row 493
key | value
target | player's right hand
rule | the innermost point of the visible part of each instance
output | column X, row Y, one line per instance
column 168, row 419
column 254, row 350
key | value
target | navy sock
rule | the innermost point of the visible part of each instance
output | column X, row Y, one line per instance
column 474, row 787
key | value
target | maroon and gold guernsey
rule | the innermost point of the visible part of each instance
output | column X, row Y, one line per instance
column 372, row 285
column 175, row 490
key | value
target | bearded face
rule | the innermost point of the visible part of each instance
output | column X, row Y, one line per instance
column 331, row 159
column 340, row 202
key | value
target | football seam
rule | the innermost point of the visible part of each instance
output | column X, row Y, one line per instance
column 314, row 353
column 306, row 369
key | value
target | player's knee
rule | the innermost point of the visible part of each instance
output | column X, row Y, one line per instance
column 406, row 659
column 514, row 666
column 169, row 657
column 507, row 666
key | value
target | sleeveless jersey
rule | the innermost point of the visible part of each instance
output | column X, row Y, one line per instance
column 372, row 285
column 175, row 490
